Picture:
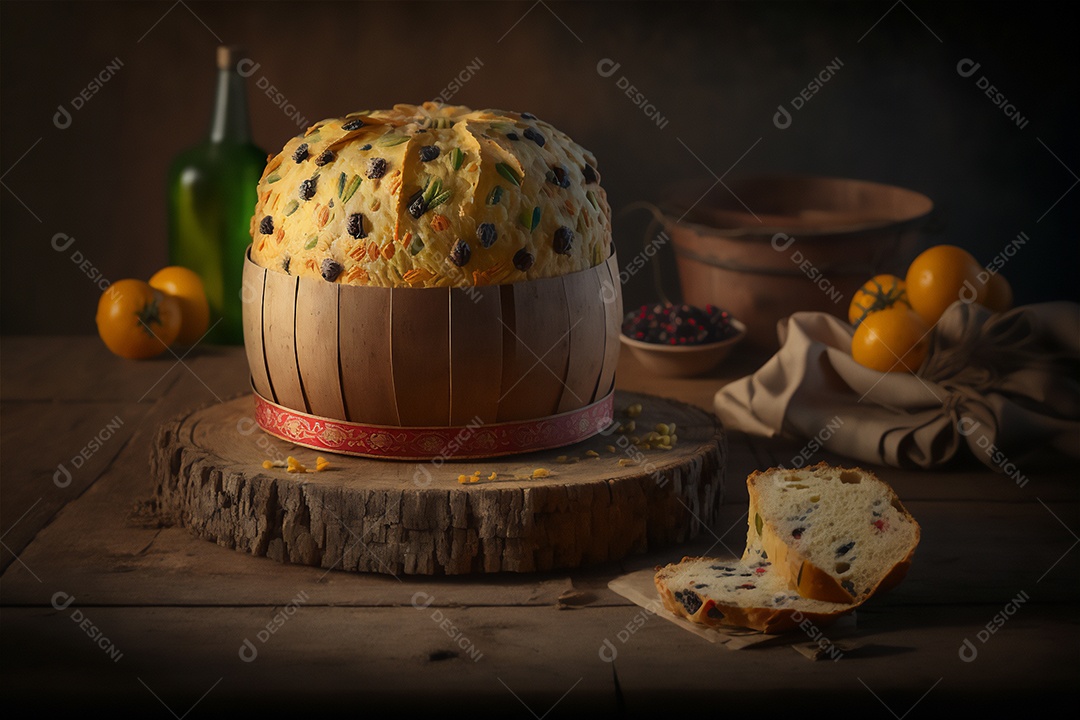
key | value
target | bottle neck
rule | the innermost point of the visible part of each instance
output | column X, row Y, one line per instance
column 229, row 122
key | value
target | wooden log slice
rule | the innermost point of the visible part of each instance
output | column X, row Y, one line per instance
column 393, row 517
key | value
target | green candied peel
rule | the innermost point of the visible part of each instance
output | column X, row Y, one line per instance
column 340, row 185
column 758, row 523
column 312, row 242
column 592, row 199
column 502, row 127
column 456, row 158
column 416, row 245
column 509, row 173
column 391, row 139
column 350, row 189
column 530, row 218
column 434, row 195
column 290, row 208
column 495, row 195
column 272, row 178
column 597, row 254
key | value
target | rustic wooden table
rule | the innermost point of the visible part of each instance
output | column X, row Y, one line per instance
column 103, row 607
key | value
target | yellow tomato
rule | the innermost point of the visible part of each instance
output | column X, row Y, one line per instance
column 995, row 294
column 939, row 277
column 187, row 287
column 892, row 340
column 136, row 321
column 879, row 293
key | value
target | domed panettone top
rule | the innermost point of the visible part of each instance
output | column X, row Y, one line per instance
column 431, row 196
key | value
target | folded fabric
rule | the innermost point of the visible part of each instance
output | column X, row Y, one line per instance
column 1002, row 385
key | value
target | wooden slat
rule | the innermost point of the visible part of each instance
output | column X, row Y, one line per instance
column 420, row 348
column 317, row 347
column 364, row 347
column 611, row 292
column 279, row 339
column 475, row 354
column 587, row 340
column 252, row 297
column 535, row 349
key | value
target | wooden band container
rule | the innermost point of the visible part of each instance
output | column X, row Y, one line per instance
column 433, row 357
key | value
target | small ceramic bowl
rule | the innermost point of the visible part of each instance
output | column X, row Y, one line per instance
column 683, row 360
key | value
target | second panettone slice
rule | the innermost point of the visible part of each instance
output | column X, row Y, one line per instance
column 836, row 534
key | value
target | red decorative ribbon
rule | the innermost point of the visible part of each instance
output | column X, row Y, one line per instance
column 428, row 443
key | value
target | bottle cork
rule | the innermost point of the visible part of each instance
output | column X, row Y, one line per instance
column 228, row 56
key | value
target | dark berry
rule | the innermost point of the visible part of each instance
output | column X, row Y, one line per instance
column 746, row 586
column 285, row 264
column 528, row 116
column 428, row 153
column 355, row 226
column 487, row 234
column 523, row 260
column 714, row 613
column 843, row 549
column 563, row 241
column 266, row 225
column 330, row 270
column 460, row 253
column 698, row 586
column 376, row 168
column 849, row 586
column 797, row 533
column 689, row 600
column 327, row 156
column 512, row 136
column 301, row 153
column 417, row 206
column 589, row 173
column 557, row 175
column 532, row 134
column 308, row 187
column 366, row 146
column 354, row 124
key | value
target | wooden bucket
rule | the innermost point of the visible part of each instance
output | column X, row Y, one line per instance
column 414, row 373
column 799, row 243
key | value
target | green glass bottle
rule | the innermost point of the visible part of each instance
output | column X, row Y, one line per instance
column 212, row 194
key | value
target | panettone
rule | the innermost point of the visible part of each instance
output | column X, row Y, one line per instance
column 431, row 196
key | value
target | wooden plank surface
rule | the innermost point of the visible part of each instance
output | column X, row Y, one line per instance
column 178, row 607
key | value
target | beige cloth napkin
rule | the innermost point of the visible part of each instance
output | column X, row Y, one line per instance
column 1002, row 385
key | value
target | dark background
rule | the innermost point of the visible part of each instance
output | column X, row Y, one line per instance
column 896, row 112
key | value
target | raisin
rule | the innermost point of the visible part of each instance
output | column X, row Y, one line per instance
column 366, row 146
column 843, row 549
column 563, row 241
column 714, row 613
column 327, row 156
column 266, row 225
column 417, row 206
column 330, row 270
column 487, row 234
column 460, row 253
column 355, row 226
column 523, row 260
column 354, row 124
column 528, row 116
column 301, row 153
column 428, row 153
column 533, row 135
column 308, row 187
column 797, row 533
column 557, row 175
column 746, row 586
column 512, row 136
column 698, row 586
column 689, row 600
column 376, row 168
column 285, row 264
column 590, row 174
column 849, row 586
